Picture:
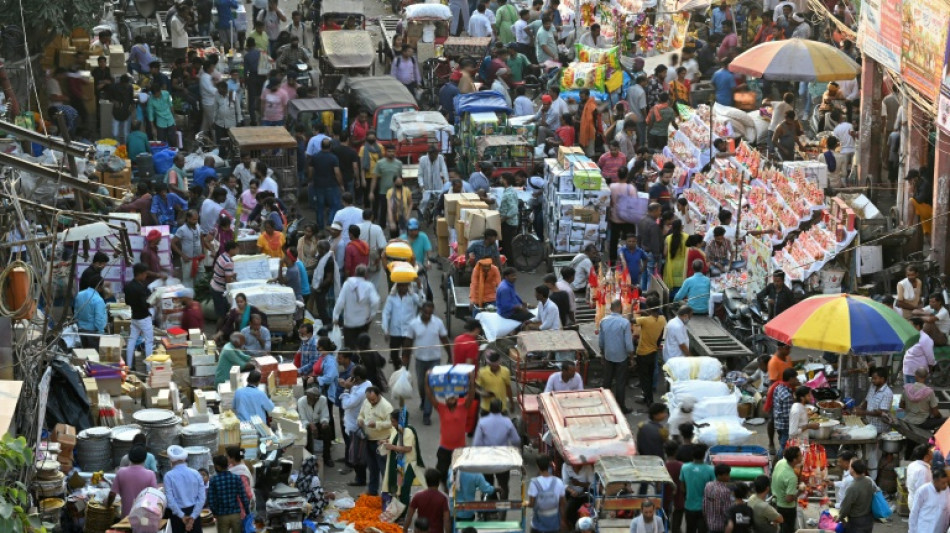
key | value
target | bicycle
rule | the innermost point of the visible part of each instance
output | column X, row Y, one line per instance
column 527, row 249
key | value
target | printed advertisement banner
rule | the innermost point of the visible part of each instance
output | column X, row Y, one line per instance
column 880, row 35
column 924, row 44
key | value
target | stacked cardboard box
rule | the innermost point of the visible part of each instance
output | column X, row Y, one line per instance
column 203, row 362
column 452, row 201
column 110, row 349
column 226, row 395
column 443, row 237
column 159, row 375
column 268, row 365
column 65, row 436
column 576, row 217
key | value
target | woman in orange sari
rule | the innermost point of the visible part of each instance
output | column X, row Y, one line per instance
column 587, row 133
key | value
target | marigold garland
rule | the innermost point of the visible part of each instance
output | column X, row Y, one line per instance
column 366, row 515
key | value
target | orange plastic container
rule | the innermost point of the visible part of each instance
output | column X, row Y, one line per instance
column 18, row 293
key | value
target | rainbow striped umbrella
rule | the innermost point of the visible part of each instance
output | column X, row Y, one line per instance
column 842, row 323
column 795, row 60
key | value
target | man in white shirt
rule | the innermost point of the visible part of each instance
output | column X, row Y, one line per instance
column 920, row 354
column 564, row 283
column 566, row 379
column 548, row 314
column 356, row 306
column 593, row 38
column 373, row 235
column 501, row 84
column 918, row 471
column 677, row 338
column 433, row 175
column 524, row 107
column 936, row 313
column 582, row 265
column 428, row 336
column 480, row 25
column 520, row 29
column 348, row 216
column 178, row 32
column 931, row 511
column 845, row 134
column 209, row 94
column 269, row 183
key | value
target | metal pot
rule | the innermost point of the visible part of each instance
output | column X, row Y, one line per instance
column 891, row 442
column 830, row 409
column 824, row 429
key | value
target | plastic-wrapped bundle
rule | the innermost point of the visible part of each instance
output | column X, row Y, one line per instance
column 693, row 368
column 716, row 407
column 697, row 389
column 147, row 511
column 724, row 431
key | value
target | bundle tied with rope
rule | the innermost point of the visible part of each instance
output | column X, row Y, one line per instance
column 17, row 298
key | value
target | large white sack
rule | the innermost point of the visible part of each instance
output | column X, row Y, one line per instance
column 725, row 432
column 740, row 120
column 494, row 325
column 697, row 390
column 693, row 368
column 716, row 407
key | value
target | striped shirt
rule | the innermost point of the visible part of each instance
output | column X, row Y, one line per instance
column 223, row 267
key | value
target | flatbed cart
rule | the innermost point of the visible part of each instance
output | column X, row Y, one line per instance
column 586, row 425
column 457, row 302
column 534, row 358
column 613, row 494
column 385, row 50
column 708, row 338
column 488, row 460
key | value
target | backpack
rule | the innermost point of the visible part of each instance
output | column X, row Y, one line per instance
column 547, row 499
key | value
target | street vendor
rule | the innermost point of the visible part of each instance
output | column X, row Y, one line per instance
column 876, row 408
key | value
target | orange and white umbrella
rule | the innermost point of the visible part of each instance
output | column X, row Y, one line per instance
column 795, row 60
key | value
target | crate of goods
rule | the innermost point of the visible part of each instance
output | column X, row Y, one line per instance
column 159, row 375
column 286, row 375
column 586, row 175
column 268, row 365
column 108, row 378
column 447, row 380
column 565, row 152
column 110, row 349
column 452, row 201
column 282, row 323
column 200, row 357
column 178, row 352
column 478, row 220
column 226, row 396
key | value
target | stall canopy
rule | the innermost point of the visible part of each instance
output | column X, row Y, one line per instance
column 842, row 323
column 795, row 60
column 481, row 102
column 487, row 459
column 349, row 48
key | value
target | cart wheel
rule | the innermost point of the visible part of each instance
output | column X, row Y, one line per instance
column 941, row 376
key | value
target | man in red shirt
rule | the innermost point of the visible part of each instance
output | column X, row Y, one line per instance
column 465, row 352
column 430, row 504
column 356, row 252
column 610, row 162
column 453, row 417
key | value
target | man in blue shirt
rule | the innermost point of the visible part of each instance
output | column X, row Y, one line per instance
column 695, row 290
column 469, row 483
column 725, row 84
column 457, row 185
column 633, row 257
column 447, row 95
column 509, row 304
column 418, row 241
column 184, row 491
column 402, row 306
column 89, row 309
column 204, row 172
column 165, row 206
column 250, row 400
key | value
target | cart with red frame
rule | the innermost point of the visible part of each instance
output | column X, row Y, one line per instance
column 536, row 356
column 585, row 425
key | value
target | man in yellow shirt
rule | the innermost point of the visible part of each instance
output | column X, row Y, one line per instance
column 494, row 381
column 374, row 420
column 651, row 329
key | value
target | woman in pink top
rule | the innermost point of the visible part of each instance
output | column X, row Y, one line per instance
column 249, row 199
column 617, row 228
column 274, row 103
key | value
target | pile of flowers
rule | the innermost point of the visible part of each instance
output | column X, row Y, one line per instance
column 365, row 516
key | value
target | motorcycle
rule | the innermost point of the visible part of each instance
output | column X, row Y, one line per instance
column 746, row 322
column 284, row 505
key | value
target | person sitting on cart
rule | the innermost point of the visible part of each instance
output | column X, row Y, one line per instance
column 509, row 304
column 565, row 380
column 485, row 280
column 696, row 289
column 487, row 246
column 549, row 316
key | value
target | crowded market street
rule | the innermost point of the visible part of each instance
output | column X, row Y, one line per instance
column 481, row 266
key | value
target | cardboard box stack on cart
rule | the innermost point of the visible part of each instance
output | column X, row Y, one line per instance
column 578, row 200
column 466, row 219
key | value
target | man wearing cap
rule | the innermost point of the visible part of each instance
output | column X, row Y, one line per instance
column 149, row 257
column 433, row 174
column 232, row 355
column 184, row 492
column 419, row 242
column 251, row 401
column 548, row 118
column 131, row 480
column 315, row 416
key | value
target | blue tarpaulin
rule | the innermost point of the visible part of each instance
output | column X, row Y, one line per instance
column 481, row 102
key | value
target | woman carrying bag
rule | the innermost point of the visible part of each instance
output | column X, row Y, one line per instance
column 403, row 461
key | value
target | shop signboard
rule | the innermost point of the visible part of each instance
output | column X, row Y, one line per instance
column 879, row 36
column 924, row 43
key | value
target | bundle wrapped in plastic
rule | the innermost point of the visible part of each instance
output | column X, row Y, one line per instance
column 693, row 368
column 697, row 389
column 583, row 76
column 716, row 407
column 723, row 431
column 147, row 511
column 609, row 58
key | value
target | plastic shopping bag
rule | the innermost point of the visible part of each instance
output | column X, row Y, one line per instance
column 336, row 336
column 879, row 506
column 402, row 388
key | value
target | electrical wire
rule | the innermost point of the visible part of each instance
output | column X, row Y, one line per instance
column 5, row 289
column 29, row 66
